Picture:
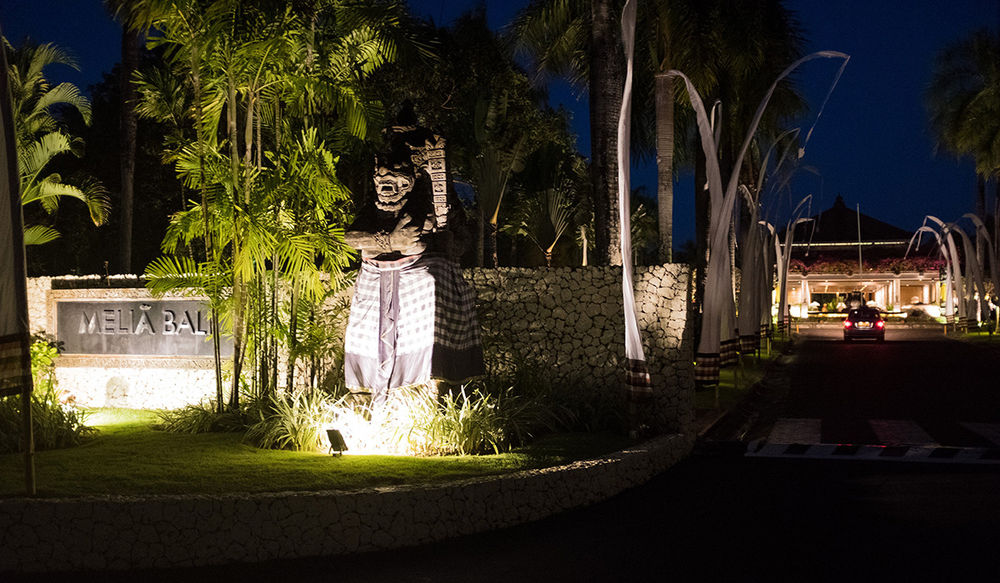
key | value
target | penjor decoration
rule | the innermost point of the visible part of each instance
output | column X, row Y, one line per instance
column 637, row 379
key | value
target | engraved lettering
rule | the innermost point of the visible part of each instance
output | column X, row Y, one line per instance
column 88, row 323
column 169, row 327
column 184, row 323
column 122, row 329
column 108, row 322
column 144, row 324
column 199, row 331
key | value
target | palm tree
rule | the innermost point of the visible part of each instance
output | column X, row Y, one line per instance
column 580, row 40
column 672, row 35
column 492, row 166
column 275, row 93
column 129, row 125
column 544, row 219
column 40, row 137
column 963, row 102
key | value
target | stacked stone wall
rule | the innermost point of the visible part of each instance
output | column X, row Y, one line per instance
column 569, row 323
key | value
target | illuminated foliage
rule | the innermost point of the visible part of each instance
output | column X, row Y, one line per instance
column 40, row 136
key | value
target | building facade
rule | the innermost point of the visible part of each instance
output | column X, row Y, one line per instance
column 842, row 250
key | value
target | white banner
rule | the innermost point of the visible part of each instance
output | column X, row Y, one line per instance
column 637, row 374
column 15, row 361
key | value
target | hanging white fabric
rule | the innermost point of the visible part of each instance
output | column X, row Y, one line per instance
column 637, row 377
column 718, row 284
column 15, row 364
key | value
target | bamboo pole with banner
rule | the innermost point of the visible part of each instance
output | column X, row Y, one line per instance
column 638, row 383
column 15, row 358
column 716, row 324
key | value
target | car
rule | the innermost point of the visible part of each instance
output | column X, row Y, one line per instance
column 864, row 322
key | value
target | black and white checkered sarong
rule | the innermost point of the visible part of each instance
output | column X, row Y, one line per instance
column 412, row 319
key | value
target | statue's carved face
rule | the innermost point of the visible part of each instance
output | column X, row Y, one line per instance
column 392, row 186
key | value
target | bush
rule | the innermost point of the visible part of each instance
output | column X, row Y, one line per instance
column 465, row 423
column 203, row 417
column 487, row 416
column 295, row 421
column 54, row 424
column 569, row 406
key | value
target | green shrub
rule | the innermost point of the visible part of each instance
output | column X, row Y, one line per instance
column 203, row 417
column 54, row 424
column 574, row 405
column 464, row 423
column 295, row 421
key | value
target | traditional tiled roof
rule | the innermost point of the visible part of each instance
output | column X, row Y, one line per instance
column 839, row 224
column 831, row 240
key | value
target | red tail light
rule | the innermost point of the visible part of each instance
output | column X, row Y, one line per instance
column 847, row 323
column 880, row 324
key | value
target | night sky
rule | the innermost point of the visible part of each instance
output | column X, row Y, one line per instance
column 872, row 145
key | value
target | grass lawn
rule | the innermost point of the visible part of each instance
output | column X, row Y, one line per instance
column 735, row 381
column 981, row 336
column 128, row 457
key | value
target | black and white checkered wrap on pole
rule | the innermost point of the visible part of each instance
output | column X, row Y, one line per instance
column 411, row 320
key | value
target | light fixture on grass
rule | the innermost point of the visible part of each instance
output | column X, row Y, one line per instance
column 337, row 444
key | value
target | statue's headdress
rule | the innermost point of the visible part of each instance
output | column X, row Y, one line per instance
column 416, row 147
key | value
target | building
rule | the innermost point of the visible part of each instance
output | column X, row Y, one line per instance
column 842, row 250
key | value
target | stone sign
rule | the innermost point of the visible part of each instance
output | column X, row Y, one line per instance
column 137, row 327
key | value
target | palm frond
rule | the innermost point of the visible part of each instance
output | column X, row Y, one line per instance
column 178, row 274
column 39, row 235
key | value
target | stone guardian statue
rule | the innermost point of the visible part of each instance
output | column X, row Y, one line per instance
column 413, row 316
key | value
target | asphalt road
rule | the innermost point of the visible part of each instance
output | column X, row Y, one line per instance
column 722, row 516
column 916, row 375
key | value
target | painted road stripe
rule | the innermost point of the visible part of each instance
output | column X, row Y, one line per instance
column 795, row 431
column 900, row 432
column 914, row 454
column 989, row 431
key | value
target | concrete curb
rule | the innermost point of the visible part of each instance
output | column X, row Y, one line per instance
column 117, row 533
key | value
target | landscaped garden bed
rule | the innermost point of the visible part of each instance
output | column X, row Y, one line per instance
column 129, row 457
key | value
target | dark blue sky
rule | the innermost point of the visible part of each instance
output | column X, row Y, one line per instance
column 872, row 145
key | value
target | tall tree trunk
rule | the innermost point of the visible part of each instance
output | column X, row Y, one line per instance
column 273, row 318
column 210, row 253
column 480, row 236
column 702, row 208
column 127, row 136
column 491, row 244
column 293, row 337
column 665, row 163
column 238, row 283
column 606, row 82
column 980, row 196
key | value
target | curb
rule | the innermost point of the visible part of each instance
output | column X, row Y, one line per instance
column 155, row 532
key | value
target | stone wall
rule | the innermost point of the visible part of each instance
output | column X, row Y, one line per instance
column 569, row 323
column 116, row 533
column 565, row 321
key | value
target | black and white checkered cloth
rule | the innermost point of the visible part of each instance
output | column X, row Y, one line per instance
column 15, row 369
column 412, row 319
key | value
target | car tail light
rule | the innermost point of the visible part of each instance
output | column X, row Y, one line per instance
column 880, row 324
column 847, row 323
